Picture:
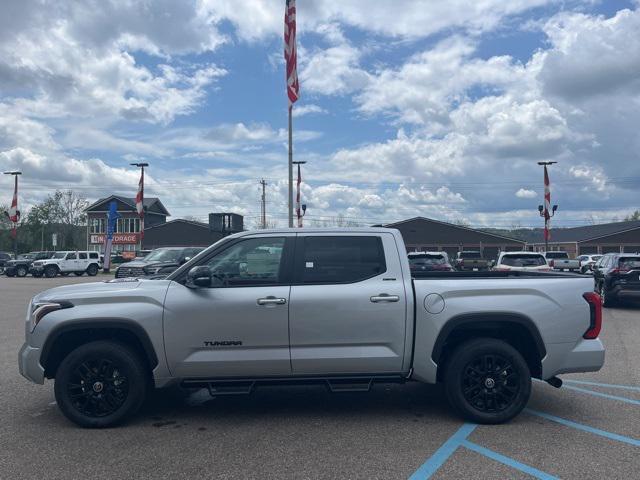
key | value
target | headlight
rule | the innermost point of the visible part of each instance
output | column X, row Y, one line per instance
column 40, row 309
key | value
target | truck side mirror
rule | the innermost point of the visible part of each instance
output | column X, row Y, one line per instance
column 199, row 276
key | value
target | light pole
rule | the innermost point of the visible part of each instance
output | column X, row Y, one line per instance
column 301, row 210
column 14, row 213
column 544, row 209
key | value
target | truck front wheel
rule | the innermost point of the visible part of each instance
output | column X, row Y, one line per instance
column 100, row 384
column 487, row 381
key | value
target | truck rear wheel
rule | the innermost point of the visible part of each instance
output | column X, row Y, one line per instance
column 487, row 381
column 100, row 384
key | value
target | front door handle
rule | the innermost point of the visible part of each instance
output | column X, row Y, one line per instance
column 270, row 300
column 385, row 297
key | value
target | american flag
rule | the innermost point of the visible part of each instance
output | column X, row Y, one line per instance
column 14, row 214
column 547, row 206
column 298, row 212
column 140, row 202
column 290, row 51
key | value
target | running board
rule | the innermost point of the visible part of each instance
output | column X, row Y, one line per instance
column 244, row 386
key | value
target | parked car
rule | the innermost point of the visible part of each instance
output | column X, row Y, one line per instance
column 429, row 261
column 471, row 260
column 333, row 306
column 559, row 260
column 21, row 266
column 66, row 262
column 587, row 262
column 4, row 258
column 521, row 261
column 161, row 261
column 617, row 277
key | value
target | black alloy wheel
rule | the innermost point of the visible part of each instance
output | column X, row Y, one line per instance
column 100, row 384
column 487, row 380
column 50, row 271
column 92, row 270
column 490, row 383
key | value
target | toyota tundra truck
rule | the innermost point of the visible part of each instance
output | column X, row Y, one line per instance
column 334, row 306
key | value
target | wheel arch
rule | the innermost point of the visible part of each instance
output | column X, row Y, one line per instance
column 517, row 330
column 66, row 338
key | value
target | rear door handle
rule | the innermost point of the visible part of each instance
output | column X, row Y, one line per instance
column 385, row 297
column 270, row 300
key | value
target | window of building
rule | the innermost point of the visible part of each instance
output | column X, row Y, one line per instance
column 96, row 225
column 341, row 259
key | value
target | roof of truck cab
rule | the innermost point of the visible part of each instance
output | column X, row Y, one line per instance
column 320, row 230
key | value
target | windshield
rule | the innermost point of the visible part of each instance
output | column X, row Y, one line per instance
column 523, row 260
column 426, row 259
column 629, row 263
column 163, row 255
column 470, row 255
column 557, row 255
column 59, row 255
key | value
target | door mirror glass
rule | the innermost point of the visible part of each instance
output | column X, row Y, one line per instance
column 199, row 276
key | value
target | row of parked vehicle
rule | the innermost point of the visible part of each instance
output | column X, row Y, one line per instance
column 507, row 261
column 150, row 264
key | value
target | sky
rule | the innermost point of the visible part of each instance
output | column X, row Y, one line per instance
column 408, row 108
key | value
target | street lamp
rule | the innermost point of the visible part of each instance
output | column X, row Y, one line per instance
column 14, row 213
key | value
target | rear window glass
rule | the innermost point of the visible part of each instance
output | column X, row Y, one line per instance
column 342, row 259
column 426, row 259
column 523, row 260
column 82, row 256
column 557, row 255
column 628, row 263
column 470, row 255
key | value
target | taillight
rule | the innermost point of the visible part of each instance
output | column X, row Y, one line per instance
column 595, row 321
column 616, row 271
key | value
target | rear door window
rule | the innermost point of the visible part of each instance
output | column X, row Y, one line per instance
column 629, row 263
column 340, row 259
column 523, row 260
column 82, row 256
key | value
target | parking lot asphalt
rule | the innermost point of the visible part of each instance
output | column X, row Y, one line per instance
column 590, row 428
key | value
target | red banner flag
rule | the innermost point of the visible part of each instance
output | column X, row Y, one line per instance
column 140, row 202
column 547, row 206
column 291, row 52
column 14, row 214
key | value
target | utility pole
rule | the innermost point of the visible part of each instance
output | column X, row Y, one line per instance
column 263, row 205
column 300, row 209
column 14, row 213
column 544, row 209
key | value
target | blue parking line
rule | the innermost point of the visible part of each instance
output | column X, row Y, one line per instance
column 436, row 460
column 510, row 462
column 585, row 428
column 603, row 395
column 604, row 385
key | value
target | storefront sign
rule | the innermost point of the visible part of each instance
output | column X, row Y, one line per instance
column 118, row 238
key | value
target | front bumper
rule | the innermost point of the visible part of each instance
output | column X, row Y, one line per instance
column 29, row 364
column 9, row 270
column 584, row 356
column 36, row 269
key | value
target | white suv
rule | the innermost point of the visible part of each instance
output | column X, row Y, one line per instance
column 64, row 263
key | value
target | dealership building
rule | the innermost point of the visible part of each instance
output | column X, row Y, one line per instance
column 158, row 232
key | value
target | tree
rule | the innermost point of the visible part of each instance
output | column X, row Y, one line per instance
column 63, row 213
column 634, row 216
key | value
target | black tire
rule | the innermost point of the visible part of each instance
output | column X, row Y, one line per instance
column 78, row 274
column 607, row 299
column 92, row 270
column 487, row 381
column 37, row 275
column 101, row 384
column 50, row 271
column 21, row 271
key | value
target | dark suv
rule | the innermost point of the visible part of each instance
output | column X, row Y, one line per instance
column 617, row 277
column 4, row 258
column 21, row 265
column 160, row 262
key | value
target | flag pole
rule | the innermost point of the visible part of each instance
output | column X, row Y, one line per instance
column 290, row 166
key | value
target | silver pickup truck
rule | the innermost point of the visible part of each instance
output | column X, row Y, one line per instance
column 337, row 306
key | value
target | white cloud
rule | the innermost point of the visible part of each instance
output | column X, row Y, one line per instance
column 308, row 109
column 525, row 193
